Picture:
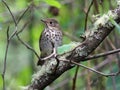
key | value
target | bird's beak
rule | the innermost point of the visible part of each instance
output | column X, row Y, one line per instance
column 43, row 20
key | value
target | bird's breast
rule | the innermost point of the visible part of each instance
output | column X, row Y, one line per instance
column 48, row 37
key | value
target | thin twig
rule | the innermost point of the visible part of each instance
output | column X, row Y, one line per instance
column 23, row 14
column 106, row 75
column 8, row 41
column 110, row 43
column 86, row 18
column 10, row 12
column 17, row 34
column 117, row 45
column 75, row 78
column 102, row 54
column 25, row 44
column 12, row 18
column 13, row 34
column 5, row 59
column 113, row 77
column 23, row 27
column 49, row 56
column 64, row 82
column 91, row 69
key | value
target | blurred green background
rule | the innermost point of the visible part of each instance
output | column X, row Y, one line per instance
column 21, row 62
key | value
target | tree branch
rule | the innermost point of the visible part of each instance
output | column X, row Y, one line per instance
column 80, row 75
column 102, row 54
column 5, row 59
column 86, row 18
column 75, row 78
column 9, row 37
column 102, row 28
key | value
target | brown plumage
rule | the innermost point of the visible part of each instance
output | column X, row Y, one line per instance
column 50, row 38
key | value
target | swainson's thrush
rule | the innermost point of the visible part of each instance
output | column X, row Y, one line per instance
column 50, row 38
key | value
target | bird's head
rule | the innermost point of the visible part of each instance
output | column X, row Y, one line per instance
column 51, row 23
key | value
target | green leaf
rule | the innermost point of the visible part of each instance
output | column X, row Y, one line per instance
column 67, row 47
column 116, row 25
column 53, row 3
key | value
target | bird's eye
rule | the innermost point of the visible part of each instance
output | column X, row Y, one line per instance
column 50, row 22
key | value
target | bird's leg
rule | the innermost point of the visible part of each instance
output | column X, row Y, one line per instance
column 54, row 52
column 47, row 57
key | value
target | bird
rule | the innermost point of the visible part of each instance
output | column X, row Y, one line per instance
column 50, row 39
